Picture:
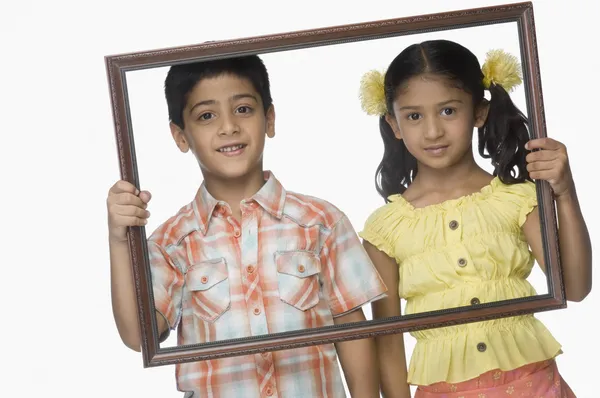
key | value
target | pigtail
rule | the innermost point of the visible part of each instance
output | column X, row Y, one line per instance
column 504, row 136
column 398, row 168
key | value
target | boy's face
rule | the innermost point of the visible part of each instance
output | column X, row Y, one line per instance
column 225, row 127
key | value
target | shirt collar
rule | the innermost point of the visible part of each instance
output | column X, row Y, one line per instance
column 271, row 197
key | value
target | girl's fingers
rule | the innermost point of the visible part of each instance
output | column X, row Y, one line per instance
column 541, row 166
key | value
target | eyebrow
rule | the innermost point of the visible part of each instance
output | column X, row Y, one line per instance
column 232, row 98
column 439, row 104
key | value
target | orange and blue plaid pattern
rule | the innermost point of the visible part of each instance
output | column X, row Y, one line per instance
column 294, row 262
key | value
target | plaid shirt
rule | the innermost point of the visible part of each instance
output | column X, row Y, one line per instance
column 294, row 262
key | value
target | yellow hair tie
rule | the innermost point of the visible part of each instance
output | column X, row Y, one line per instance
column 502, row 69
column 372, row 93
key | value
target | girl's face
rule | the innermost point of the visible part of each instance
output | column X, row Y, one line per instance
column 435, row 120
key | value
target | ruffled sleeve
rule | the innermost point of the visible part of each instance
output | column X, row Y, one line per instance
column 378, row 229
column 527, row 194
column 523, row 196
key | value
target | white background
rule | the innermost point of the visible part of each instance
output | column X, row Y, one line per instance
column 58, row 159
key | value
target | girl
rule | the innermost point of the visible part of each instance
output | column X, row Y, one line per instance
column 452, row 234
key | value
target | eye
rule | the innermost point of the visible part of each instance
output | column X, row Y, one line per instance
column 448, row 111
column 205, row 116
column 244, row 109
column 413, row 116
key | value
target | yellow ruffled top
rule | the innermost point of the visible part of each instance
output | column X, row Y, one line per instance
column 456, row 253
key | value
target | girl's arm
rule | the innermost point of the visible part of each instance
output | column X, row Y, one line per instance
column 574, row 243
column 390, row 348
column 551, row 164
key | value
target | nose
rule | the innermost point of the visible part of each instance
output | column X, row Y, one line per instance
column 433, row 129
column 229, row 125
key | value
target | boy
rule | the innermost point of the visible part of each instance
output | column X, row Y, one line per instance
column 245, row 257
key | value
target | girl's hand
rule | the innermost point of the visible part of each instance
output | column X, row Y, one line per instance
column 550, row 163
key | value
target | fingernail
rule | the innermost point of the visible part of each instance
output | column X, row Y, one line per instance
column 137, row 192
column 527, row 145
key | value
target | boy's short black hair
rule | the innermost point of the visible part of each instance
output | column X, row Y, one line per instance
column 181, row 79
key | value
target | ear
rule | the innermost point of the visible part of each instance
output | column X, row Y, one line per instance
column 481, row 113
column 391, row 120
column 179, row 137
column 270, row 119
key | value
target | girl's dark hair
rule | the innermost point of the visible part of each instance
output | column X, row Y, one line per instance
column 503, row 136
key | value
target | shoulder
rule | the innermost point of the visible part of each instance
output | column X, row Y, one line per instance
column 518, row 193
column 175, row 228
column 525, row 187
column 311, row 210
column 391, row 212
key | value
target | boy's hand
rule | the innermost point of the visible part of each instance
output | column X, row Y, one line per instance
column 551, row 164
column 126, row 208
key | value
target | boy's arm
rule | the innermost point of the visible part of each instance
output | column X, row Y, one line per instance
column 390, row 348
column 359, row 360
column 126, row 207
column 124, row 303
column 351, row 281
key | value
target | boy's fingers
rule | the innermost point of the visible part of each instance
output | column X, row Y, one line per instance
column 131, row 210
column 122, row 186
column 127, row 199
column 145, row 196
column 135, row 221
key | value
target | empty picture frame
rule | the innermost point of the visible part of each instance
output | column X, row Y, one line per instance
column 118, row 67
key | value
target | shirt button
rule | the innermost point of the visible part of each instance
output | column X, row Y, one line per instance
column 250, row 269
column 257, row 311
column 204, row 279
column 269, row 391
column 236, row 234
column 481, row 347
column 301, row 268
column 475, row 301
column 453, row 224
column 462, row 262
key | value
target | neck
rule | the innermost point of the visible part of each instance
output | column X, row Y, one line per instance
column 447, row 178
column 233, row 191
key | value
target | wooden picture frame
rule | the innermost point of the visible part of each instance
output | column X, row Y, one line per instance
column 118, row 65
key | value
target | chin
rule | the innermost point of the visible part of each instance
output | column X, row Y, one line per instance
column 438, row 164
column 232, row 172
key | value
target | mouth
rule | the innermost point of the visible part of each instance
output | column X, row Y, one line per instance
column 232, row 150
column 436, row 149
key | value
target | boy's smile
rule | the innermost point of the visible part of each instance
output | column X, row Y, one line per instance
column 232, row 150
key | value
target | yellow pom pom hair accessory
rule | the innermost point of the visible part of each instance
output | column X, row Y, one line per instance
column 372, row 93
column 502, row 69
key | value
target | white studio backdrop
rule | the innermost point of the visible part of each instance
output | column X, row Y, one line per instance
column 58, row 159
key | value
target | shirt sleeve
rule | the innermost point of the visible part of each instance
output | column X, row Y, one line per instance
column 527, row 194
column 167, row 284
column 350, row 278
column 377, row 229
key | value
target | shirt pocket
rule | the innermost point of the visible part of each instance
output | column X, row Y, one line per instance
column 298, row 278
column 208, row 283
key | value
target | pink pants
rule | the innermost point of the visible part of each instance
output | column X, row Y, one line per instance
column 537, row 380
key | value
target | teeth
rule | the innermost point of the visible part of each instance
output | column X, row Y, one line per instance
column 231, row 148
